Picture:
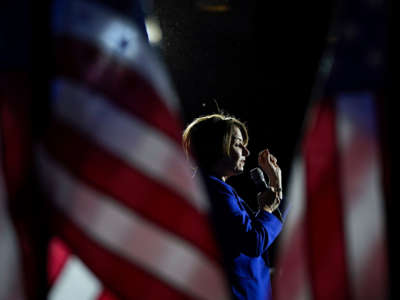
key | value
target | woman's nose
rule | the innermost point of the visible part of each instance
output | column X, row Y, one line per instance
column 246, row 151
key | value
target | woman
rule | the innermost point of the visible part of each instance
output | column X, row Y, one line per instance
column 218, row 143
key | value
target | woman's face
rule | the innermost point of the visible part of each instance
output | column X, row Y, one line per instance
column 238, row 153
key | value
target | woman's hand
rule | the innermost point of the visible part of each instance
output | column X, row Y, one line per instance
column 268, row 164
column 268, row 200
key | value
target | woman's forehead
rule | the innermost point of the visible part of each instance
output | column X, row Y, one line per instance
column 237, row 133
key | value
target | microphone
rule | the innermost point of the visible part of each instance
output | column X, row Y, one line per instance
column 258, row 178
column 261, row 185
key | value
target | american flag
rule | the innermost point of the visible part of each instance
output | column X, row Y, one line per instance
column 22, row 234
column 14, row 195
column 334, row 242
column 127, row 219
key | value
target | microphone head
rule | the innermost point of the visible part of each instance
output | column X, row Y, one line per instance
column 258, row 178
column 257, row 175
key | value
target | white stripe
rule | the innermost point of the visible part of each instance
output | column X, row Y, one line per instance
column 295, row 198
column 138, row 144
column 166, row 256
column 99, row 25
column 304, row 293
column 11, row 279
column 76, row 281
column 295, row 221
column 362, row 192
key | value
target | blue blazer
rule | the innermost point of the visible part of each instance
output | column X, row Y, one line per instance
column 244, row 238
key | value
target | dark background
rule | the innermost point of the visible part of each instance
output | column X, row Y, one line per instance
column 256, row 59
column 259, row 61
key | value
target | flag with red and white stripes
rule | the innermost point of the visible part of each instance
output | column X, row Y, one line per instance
column 128, row 219
column 11, row 273
column 23, row 228
column 334, row 242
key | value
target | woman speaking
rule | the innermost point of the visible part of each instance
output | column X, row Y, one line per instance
column 219, row 145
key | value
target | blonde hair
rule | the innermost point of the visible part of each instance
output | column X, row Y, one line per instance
column 208, row 138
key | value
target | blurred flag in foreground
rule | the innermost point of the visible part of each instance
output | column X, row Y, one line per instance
column 126, row 219
column 22, row 223
column 14, row 195
column 334, row 243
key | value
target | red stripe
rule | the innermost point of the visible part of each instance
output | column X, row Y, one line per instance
column 105, row 172
column 106, row 295
column 324, row 212
column 58, row 256
column 26, row 210
column 124, row 279
column 16, row 131
column 87, row 64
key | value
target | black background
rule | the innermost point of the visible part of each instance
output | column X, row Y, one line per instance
column 258, row 61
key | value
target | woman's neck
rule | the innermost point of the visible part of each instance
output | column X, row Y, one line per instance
column 219, row 172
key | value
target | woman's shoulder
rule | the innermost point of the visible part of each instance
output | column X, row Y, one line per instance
column 218, row 189
column 218, row 184
column 223, row 197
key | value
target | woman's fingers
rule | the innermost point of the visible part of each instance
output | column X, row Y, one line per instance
column 269, row 201
column 274, row 160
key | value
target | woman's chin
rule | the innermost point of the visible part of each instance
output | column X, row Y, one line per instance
column 238, row 170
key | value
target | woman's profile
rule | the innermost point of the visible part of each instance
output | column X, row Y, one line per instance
column 219, row 145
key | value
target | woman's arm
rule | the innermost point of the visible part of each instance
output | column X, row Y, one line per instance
column 251, row 236
column 269, row 164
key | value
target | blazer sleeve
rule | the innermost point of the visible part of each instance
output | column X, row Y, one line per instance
column 285, row 207
column 250, row 235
